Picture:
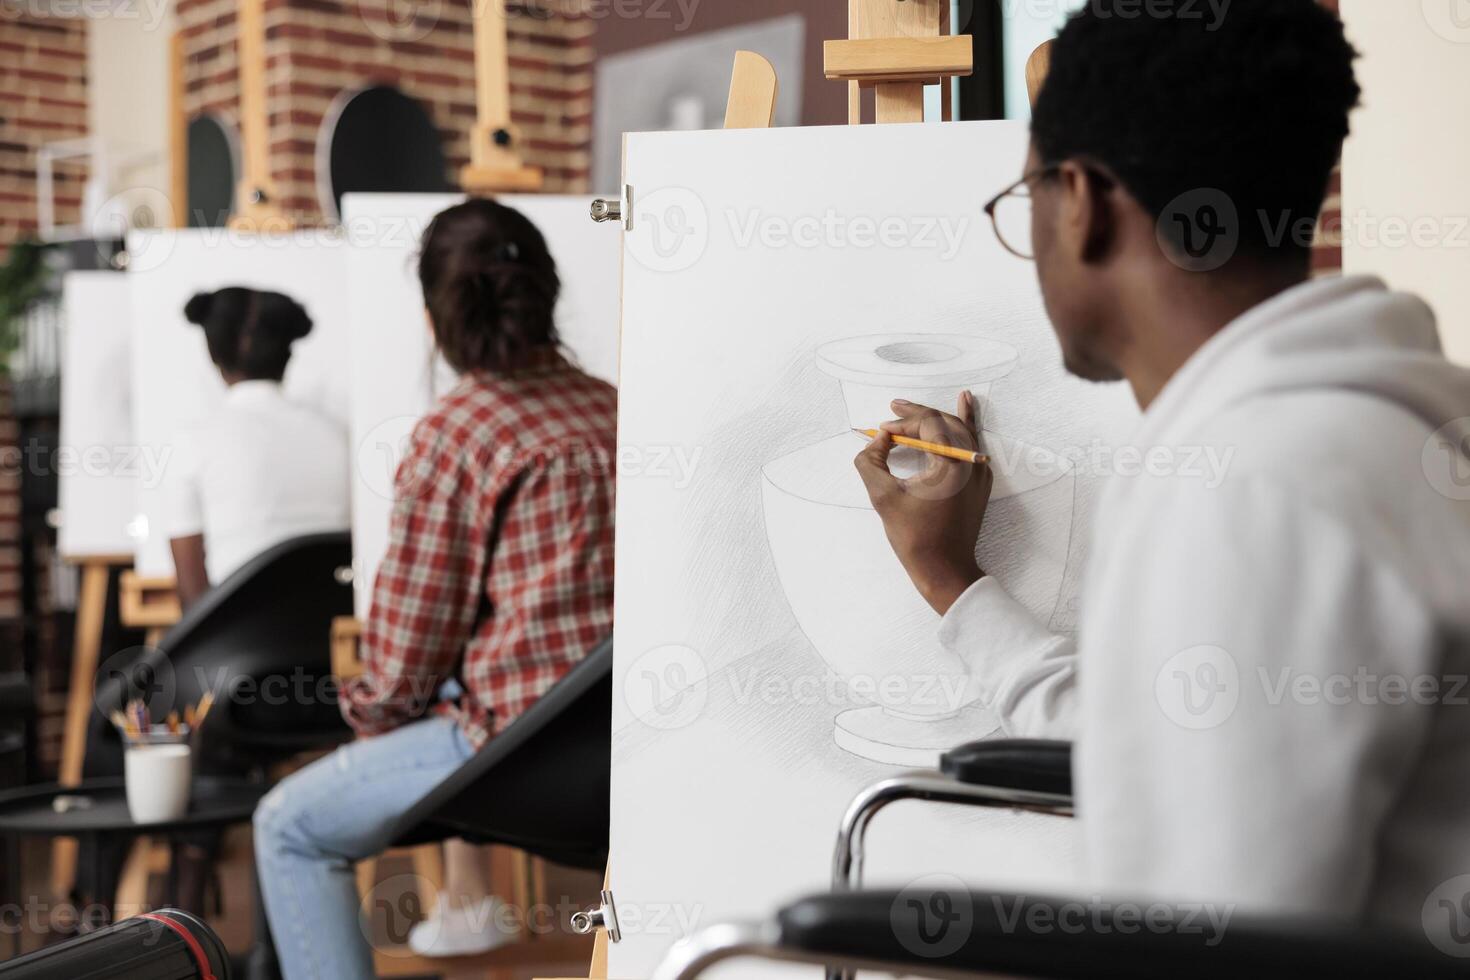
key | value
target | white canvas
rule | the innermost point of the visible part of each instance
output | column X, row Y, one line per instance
column 395, row 376
column 102, row 466
column 772, row 659
column 175, row 385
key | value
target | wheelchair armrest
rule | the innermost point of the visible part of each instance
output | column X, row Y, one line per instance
column 950, row 932
column 1018, row 763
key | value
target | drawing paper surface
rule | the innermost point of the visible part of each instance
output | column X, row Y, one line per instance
column 395, row 375
column 176, row 386
column 772, row 659
column 98, row 491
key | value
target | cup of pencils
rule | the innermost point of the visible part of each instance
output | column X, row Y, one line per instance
column 158, row 759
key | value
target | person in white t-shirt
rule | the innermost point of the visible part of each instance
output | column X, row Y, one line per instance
column 262, row 469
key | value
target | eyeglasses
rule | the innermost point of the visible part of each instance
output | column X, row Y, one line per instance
column 1010, row 212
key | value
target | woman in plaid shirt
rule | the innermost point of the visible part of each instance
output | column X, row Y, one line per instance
column 498, row 576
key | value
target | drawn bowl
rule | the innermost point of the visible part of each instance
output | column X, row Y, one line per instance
column 928, row 369
column 855, row 603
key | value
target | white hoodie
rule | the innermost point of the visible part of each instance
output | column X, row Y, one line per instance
column 1268, row 691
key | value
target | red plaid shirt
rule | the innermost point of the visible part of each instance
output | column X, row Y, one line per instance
column 499, row 570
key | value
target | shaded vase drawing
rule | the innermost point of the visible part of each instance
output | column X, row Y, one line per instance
column 850, row 595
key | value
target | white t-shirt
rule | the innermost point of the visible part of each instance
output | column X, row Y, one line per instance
column 261, row 471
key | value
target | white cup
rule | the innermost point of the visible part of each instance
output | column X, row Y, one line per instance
column 157, row 778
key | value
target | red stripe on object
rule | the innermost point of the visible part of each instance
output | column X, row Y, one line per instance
column 199, row 955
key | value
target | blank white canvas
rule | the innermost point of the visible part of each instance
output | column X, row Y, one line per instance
column 102, row 468
column 176, row 386
column 395, row 374
column 779, row 287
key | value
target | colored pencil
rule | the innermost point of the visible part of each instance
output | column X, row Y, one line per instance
column 933, row 448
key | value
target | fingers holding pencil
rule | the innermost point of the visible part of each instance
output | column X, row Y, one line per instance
column 934, row 432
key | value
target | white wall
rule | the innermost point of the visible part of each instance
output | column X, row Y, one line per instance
column 1406, row 187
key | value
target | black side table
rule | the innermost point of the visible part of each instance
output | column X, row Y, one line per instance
column 96, row 814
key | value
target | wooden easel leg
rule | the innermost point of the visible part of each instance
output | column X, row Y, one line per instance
column 599, row 958
column 428, row 865
column 86, row 650
column 147, row 857
column 538, row 882
column 520, row 863
column 598, row 970
column 899, row 102
column 367, row 875
column 132, row 887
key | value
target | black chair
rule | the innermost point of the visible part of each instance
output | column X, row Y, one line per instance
column 259, row 641
column 1001, row 935
column 953, row 933
column 542, row 785
column 1014, row 774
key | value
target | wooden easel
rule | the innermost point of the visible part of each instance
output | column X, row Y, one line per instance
column 495, row 165
column 149, row 603
column 896, row 47
column 257, row 206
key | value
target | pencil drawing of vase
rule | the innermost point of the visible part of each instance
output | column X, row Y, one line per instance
column 848, row 591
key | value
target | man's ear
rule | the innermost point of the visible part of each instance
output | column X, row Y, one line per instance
column 1088, row 219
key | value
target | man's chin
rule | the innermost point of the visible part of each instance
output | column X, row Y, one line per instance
column 1090, row 369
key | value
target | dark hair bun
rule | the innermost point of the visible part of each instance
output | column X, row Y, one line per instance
column 196, row 311
column 249, row 331
column 490, row 285
column 296, row 325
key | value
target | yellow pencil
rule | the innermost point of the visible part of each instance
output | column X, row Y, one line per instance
column 950, row 452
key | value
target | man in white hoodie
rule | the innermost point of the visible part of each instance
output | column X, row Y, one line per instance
column 1268, row 690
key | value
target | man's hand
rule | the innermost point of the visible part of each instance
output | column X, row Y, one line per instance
column 933, row 518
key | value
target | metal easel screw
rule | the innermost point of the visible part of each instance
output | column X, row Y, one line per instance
column 604, row 209
column 502, row 137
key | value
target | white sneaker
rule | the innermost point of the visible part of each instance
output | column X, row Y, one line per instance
column 455, row 931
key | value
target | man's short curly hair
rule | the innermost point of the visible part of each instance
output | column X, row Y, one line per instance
column 1250, row 98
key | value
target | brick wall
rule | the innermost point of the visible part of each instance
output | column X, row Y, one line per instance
column 43, row 98
column 317, row 49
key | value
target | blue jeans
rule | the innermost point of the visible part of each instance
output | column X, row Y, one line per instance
column 312, row 828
